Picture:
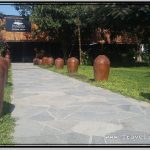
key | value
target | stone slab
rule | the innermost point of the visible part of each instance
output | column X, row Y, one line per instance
column 51, row 108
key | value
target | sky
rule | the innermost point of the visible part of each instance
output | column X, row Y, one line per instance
column 8, row 10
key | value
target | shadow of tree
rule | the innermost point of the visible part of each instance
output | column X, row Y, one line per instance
column 7, row 108
column 82, row 77
column 145, row 95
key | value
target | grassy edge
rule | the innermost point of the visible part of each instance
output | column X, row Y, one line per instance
column 93, row 83
column 7, row 122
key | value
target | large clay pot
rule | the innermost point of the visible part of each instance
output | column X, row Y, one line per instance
column 50, row 61
column 5, row 68
column 59, row 63
column 8, row 61
column 7, row 58
column 101, row 68
column 72, row 65
column 2, row 74
column 44, row 61
column 39, row 61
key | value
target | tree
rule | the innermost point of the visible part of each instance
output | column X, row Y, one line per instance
column 1, row 21
column 60, row 21
column 132, row 18
column 70, row 22
column 25, row 9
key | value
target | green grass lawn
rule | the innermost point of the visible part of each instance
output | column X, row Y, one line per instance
column 133, row 82
column 6, row 121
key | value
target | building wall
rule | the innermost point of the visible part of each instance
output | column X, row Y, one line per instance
column 22, row 36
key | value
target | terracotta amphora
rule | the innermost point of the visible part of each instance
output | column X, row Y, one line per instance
column 101, row 68
column 72, row 65
column 59, row 63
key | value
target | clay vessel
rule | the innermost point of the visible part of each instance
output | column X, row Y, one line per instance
column 59, row 63
column 39, row 61
column 44, row 61
column 7, row 58
column 50, row 61
column 101, row 68
column 3, row 63
column 72, row 65
column 8, row 61
column 7, row 67
column 2, row 74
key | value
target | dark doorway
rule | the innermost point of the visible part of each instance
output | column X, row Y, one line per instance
column 21, row 51
column 25, row 51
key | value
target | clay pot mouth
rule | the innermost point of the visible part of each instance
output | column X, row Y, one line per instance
column 102, row 59
column 72, row 59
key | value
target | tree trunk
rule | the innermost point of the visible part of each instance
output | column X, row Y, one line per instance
column 79, row 39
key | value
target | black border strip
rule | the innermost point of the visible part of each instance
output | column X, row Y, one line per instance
column 74, row 146
column 73, row 2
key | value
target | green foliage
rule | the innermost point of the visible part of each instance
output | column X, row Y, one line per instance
column 61, row 21
column 85, row 58
column 24, row 9
column 1, row 15
column 124, row 16
column 1, row 24
column 133, row 18
column 58, row 18
column 3, row 48
column 130, row 17
column 7, row 123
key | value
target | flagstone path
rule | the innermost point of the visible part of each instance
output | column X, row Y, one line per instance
column 54, row 109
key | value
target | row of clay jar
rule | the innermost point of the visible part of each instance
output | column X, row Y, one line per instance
column 4, row 66
column 72, row 63
column 101, row 65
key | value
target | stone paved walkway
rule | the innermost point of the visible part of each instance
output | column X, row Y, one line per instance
column 54, row 109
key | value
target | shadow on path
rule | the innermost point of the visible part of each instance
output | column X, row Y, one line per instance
column 81, row 77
